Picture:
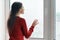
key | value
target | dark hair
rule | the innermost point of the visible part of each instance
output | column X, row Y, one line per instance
column 14, row 10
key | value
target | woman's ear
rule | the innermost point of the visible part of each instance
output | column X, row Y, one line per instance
column 21, row 10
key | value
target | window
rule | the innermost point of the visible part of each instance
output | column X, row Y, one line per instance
column 57, row 19
column 46, row 26
column 33, row 10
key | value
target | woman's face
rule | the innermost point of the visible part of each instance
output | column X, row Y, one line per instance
column 21, row 11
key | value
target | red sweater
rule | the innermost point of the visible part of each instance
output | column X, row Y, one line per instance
column 19, row 30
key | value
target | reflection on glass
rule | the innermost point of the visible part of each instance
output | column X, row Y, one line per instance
column 33, row 10
column 57, row 19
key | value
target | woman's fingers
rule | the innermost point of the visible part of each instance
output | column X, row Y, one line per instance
column 36, row 22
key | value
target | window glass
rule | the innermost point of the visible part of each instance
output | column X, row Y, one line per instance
column 33, row 9
column 57, row 19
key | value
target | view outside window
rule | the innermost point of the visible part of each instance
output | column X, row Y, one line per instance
column 33, row 10
column 57, row 19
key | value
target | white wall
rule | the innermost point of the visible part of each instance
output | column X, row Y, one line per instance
column 2, row 20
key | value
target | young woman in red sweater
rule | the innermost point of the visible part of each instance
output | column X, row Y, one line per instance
column 17, row 27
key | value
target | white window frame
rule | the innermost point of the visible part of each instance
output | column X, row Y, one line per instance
column 49, row 19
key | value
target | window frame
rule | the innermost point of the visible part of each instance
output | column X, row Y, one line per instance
column 49, row 19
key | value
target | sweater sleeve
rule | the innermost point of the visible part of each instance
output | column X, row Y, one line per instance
column 27, row 33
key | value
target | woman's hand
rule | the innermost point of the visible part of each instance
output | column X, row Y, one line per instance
column 35, row 22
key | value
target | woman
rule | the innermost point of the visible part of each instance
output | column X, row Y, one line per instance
column 17, row 27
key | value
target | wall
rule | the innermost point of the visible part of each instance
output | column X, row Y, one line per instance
column 2, row 20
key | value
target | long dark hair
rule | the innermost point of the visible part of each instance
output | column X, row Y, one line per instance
column 14, row 10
